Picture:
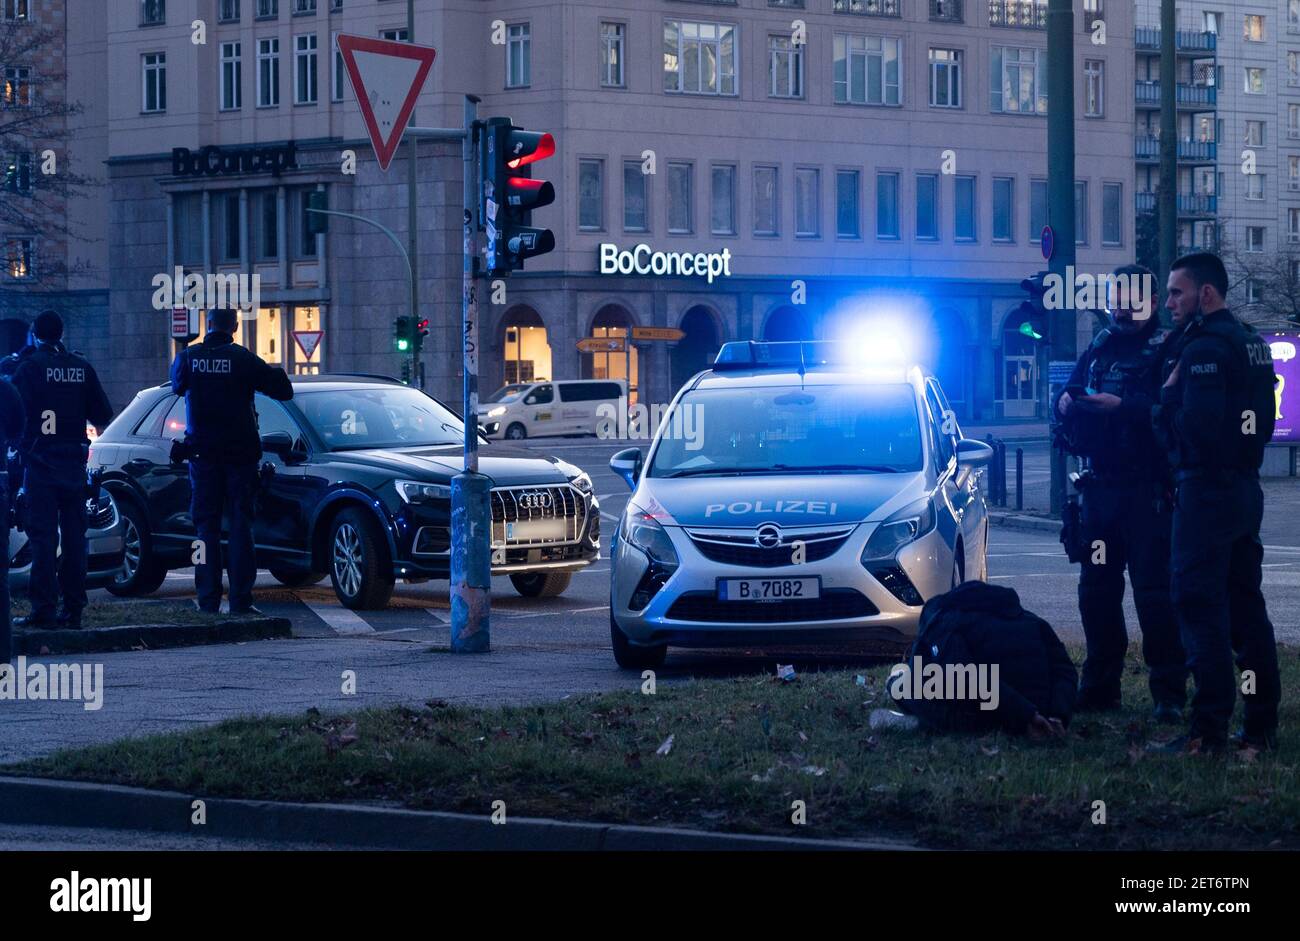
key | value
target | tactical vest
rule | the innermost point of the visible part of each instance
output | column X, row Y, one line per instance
column 1124, row 366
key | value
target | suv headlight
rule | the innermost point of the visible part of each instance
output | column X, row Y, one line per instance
column 414, row 491
column 907, row 525
column 582, row 482
column 644, row 531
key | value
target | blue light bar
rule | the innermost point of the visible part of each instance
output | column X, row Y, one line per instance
column 756, row 354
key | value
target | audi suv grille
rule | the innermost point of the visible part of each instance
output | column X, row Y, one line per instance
column 517, row 511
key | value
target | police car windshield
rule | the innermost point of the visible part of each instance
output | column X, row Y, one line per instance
column 391, row 417
column 789, row 430
column 508, row 392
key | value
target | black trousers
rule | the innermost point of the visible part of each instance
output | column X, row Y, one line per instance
column 1216, row 588
column 57, row 529
column 1124, row 528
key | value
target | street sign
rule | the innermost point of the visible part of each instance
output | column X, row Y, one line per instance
column 657, row 333
column 386, row 78
column 185, row 323
column 602, row 345
column 307, row 341
column 1047, row 241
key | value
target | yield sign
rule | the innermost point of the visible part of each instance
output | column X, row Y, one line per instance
column 386, row 78
column 307, row 341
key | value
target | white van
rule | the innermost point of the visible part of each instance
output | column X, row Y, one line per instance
column 535, row 409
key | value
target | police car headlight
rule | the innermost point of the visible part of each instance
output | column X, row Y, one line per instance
column 643, row 531
column 413, row 491
column 907, row 525
column 496, row 412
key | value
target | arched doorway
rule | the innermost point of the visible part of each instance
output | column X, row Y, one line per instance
column 1018, row 387
column 13, row 335
column 613, row 320
column 697, row 349
column 526, row 351
column 787, row 323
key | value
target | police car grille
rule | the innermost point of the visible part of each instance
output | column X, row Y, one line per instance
column 739, row 548
column 513, row 505
column 834, row 604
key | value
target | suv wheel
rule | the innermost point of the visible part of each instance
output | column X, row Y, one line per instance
column 141, row 572
column 631, row 657
column 360, row 569
column 541, row 584
column 516, row 432
column 292, row 577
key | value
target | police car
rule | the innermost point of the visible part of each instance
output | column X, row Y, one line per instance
column 821, row 502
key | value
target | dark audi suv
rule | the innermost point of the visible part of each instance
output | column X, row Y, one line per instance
column 356, row 483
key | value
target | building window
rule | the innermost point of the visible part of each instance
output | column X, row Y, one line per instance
column 807, row 202
column 722, row 212
column 18, row 174
column 785, row 68
column 266, row 224
column 591, row 195
column 1254, row 28
column 613, row 41
column 1293, row 172
column 18, row 86
column 963, row 199
column 699, row 58
column 153, row 12
column 1094, row 71
column 867, row 70
column 20, row 259
column 887, row 206
column 848, row 215
column 268, row 73
column 154, row 66
column 232, row 77
column 945, row 78
column 187, row 228
column 1254, row 133
column 1254, row 81
column 681, row 211
column 636, row 197
column 1293, row 69
column 303, row 6
column 1212, row 22
column 519, row 55
column 1004, row 209
column 306, row 241
column 1254, row 186
column 16, row 11
column 395, row 35
column 767, row 204
column 1254, row 238
column 1037, row 207
column 927, row 206
column 304, row 56
column 1080, row 212
column 1017, row 80
column 228, row 11
column 1112, row 199
column 1293, row 121
column 268, row 9
column 229, row 237
column 338, row 84
column 1293, row 224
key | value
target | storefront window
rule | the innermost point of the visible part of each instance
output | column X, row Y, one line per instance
column 270, row 341
column 527, row 354
column 615, row 365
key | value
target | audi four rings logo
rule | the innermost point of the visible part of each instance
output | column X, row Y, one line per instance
column 768, row 536
column 535, row 500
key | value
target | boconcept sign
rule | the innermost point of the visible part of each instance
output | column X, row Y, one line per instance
column 645, row 260
column 229, row 161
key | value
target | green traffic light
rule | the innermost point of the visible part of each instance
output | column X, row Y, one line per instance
column 1028, row 330
column 403, row 345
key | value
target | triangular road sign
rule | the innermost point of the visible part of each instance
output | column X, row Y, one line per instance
column 307, row 341
column 386, row 78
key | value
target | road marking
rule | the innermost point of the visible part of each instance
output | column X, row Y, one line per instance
column 539, row 614
column 437, row 615
column 340, row 619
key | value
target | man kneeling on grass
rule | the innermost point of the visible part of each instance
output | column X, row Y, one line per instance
column 981, row 662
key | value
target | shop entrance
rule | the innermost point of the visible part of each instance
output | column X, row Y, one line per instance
column 1020, row 376
column 614, row 321
column 526, row 349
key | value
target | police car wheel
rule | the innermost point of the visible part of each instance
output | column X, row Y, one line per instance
column 516, row 432
column 360, row 570
column 631, row 657
column 291, row 577
column 541, row 584
column 141, row 573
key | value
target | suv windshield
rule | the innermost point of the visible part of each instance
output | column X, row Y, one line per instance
column 788, row 429
column 509, row 392
column 391, row 417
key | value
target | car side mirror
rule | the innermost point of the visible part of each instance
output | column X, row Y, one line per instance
column 281, row 444
column 973, row 453
column 627, row 464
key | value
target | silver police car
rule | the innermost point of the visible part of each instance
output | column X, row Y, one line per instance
column 811, row 502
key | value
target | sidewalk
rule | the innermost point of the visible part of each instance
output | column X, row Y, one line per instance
column 1009, row 431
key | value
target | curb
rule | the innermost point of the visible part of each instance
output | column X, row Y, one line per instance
column 147, row 636
column 1024, row 522
column 45, row 802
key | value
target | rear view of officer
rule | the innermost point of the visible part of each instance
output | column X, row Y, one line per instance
column 61, row 394
column 11, row 433
column 1215, row 416
column 219, row 378
column 1126, row 517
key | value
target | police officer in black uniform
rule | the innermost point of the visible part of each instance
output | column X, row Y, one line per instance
column 1215, row 417
column 1125, row 511
column 12, row 422
column 60, row 393
column 218, row 378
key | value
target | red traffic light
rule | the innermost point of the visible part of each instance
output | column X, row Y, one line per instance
column 529, row 147
column 423, row 324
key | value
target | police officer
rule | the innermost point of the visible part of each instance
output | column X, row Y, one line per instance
column 218, row 378
column 60, row 393
column 1215, row 417
column 12, row 422
column 1126, row 516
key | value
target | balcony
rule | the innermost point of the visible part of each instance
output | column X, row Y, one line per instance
column 868, row 7
column 1196, row 97
column 946, row 11
column 1185, row 40
column 1189, row 151
column 1189, row 204
column 1018, row 14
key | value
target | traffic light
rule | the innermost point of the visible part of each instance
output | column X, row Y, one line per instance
column 317, row 222
column 403, row 335
column 421, row 331
column 510, row 194
column 1032, row 313
column 11, row 184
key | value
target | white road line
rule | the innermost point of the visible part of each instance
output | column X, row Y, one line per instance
column 339, row 618
column 539, row 614
column 437, row 615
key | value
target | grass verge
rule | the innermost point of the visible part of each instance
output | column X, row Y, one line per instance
column 124, row 613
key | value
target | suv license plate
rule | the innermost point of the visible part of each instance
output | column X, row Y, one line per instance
column 768, row 589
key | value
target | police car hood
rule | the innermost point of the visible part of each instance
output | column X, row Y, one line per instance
column 505, row 465
column 787, row 500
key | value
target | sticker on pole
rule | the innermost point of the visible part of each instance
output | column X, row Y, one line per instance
column 386, row 78
column 307, row 341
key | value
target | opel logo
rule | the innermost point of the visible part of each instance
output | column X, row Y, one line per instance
column 768, row 536
column 535, row 500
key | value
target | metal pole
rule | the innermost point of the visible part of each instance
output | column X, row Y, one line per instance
column 1020, row 478
column 1060, row 199
column 471, row 495
column 1168, row 190
column 412, row 196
